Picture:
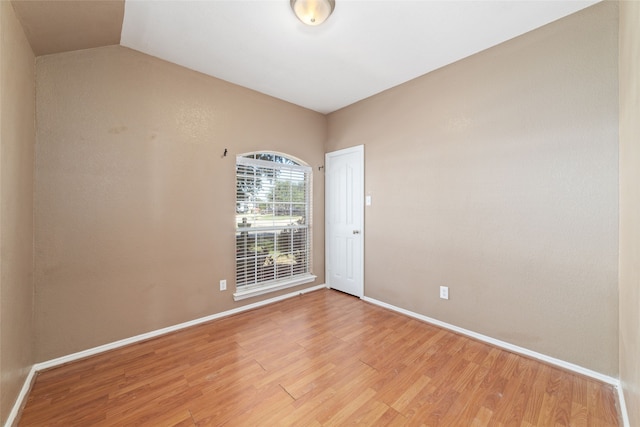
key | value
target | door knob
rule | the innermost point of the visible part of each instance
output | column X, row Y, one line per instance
column 356, row 231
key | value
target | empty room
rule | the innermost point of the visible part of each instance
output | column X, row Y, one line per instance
column 318, row 212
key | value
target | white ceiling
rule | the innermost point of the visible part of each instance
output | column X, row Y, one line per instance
column 365, row 47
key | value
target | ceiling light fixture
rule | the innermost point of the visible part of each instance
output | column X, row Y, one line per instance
column 313, row 12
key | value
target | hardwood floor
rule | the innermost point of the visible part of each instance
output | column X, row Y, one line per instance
column 322, row 358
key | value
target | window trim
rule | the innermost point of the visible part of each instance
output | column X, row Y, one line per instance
column 252, row 290
column 255, row 290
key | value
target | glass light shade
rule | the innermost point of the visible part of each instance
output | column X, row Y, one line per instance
column 313, row 12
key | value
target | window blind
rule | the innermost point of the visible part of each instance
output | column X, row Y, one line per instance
column 273, row 220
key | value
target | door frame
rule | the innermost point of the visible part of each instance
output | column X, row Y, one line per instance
column 359, row 264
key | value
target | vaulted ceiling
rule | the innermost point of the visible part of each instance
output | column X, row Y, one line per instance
column 365, row 47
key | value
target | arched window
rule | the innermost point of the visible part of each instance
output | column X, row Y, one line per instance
column 273, row 223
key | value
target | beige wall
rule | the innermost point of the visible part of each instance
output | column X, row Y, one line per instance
column 17, row 139
column 135, row 205
column 498, row 177
column 59, row 26
column 630, row 207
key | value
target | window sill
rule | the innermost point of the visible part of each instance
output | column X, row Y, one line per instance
column 254, row 291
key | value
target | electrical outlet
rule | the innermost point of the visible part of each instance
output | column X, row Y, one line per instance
column 444, row 292
column 223, row 285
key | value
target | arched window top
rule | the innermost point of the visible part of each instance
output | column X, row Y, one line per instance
column 275, row 157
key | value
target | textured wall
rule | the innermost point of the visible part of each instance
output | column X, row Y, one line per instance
column 630, row 206
column 498, row 177
column 135, row 206
column 59, row 26
column 17, row 140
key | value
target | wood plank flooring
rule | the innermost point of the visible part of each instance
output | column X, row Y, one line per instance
column 319, row 359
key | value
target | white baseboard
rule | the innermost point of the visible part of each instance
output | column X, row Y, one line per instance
column 142, row 337
column 502, row 344
column 22, row 396
column 135, row 339
column 623, row 406
column 519, row 350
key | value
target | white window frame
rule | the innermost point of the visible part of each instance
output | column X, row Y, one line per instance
column 256, row 287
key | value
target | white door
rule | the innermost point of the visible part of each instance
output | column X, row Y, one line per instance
column 344, row 220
